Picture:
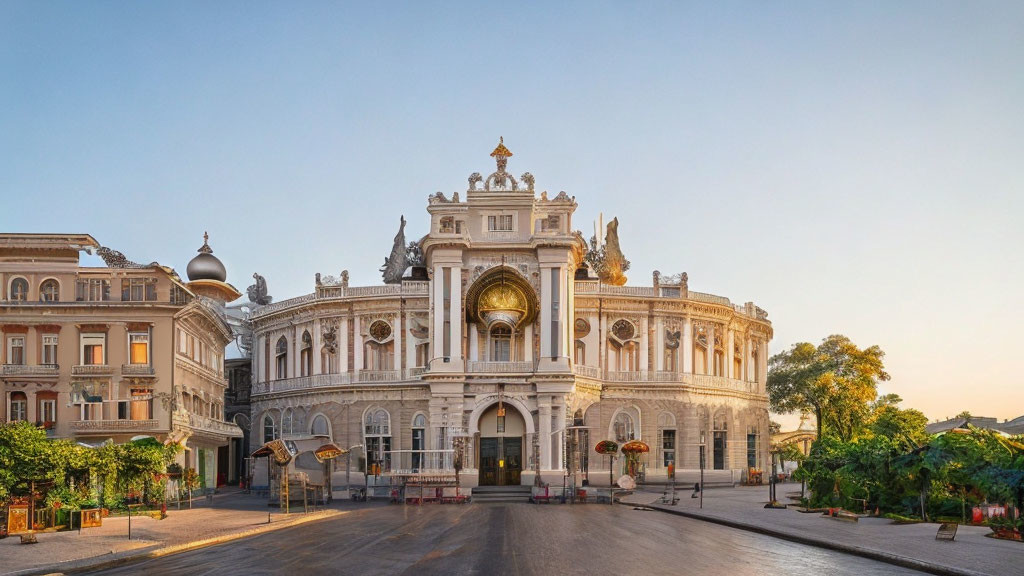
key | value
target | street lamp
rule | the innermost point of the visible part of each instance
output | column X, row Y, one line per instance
column 701, row 485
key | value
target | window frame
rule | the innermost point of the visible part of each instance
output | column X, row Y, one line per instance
column 149, row 348
column 83, row 338
column 11, row 346
column 44, row 290
column 18, row 295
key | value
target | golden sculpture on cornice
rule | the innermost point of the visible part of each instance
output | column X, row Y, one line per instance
column 503, row 298
column 606, row 257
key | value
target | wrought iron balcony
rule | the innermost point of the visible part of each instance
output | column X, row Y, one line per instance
column 475, row 367
column 92, row 370
column 31, row 370
column 137, row 370
column 113, row 426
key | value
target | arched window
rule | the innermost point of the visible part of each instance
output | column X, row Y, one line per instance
column 282, row 358
column 720, row 435
column 624, row 427
column 49, row 291
column 624, row 354
column 419, row 440
column 320, row 427
column 667, row 438
column 286, row 422
column 379, row 348
column 377, row 439
column 580, row 357
column 306, row 355
column 501, row 343
column 19, row 290
column 268, row 428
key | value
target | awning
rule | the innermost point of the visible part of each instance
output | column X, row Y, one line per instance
column 277, row 448
column 635, row 447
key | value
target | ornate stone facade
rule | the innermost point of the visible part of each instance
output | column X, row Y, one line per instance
column 512, row 345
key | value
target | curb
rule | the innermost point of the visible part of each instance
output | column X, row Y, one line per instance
column 151, row 552
column 894, row 559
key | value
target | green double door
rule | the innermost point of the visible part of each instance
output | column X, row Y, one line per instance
column 501, row 461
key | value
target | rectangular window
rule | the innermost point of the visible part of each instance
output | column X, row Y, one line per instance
column 751, row 450
column 48, row 410
column 93, row 349
column 142, row 404
column 50, row 349
column 92, row 290
column 16, row 350
column 138, row 343
column 19, row 410
column 499, row 223
column 138, row 289
column 668, row 446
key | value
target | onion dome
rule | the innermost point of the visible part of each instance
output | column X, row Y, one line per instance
column 206, row 266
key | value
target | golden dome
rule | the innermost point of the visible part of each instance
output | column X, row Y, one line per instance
column 502, row 298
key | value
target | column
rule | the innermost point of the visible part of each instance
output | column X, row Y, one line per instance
column 730, row 343
column 644, row 343
column 764, row 364
column 709, row 357
column 317, row 364
column 602, row 343
column 437, row 321
column 686, row 347
column 659, row 344
column 746, row 358
column 544, row 415
column 456, row 313
column 545, row 313
column 559, row 418
column 410, row 344
column 343, row 347
column 397, row 331
column 528, row 337
column 293, row 354
column 474, row 343
column 357, row 348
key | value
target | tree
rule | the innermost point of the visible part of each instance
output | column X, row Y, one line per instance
column 904, row 425
column 836, row 380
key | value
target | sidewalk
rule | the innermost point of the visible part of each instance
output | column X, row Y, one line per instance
column 231, row 515
column 909, row 545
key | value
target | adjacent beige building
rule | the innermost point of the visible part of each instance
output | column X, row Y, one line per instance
column 117, row 352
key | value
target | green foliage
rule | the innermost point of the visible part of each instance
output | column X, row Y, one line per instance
column 73, row 470
column 941, row 476
column 836, row 380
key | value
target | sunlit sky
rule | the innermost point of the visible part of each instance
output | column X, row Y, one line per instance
column 851, row 168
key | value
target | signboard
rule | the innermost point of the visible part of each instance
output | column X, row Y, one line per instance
column 17, row 518
column 92, row 518
column 282, row 456
column 328, row 452
column 606, row 447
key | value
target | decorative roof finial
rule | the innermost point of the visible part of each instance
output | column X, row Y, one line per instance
column 205, row 249
column 501, row 154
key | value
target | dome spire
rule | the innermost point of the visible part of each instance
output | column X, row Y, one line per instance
column 205, row 248
column 501, row 154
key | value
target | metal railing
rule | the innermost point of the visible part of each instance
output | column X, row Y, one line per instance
column 30, row 370
column 91, row 370
column 113, row 425
column 137, row 370
column 419, row 462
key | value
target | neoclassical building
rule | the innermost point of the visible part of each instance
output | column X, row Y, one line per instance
column 504, row 333
column 117, row 352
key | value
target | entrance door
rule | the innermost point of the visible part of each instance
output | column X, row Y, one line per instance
column 489, row 461
column 513, row 451
column 501, row 461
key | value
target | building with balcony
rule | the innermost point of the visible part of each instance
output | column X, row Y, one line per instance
column 493, row 337
column 114, row 352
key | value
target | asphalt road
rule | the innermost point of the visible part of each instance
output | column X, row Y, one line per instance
column 515, row 539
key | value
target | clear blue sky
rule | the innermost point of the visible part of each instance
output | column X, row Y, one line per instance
column 852, row 168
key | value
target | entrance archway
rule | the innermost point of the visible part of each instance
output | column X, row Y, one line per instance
column 502, row 446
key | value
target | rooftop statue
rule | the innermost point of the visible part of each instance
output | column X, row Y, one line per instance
column 395, row 265
column 607, row 259
column 258, row 291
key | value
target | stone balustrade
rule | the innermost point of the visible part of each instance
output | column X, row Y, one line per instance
column 136, row 370
column 499, row 367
